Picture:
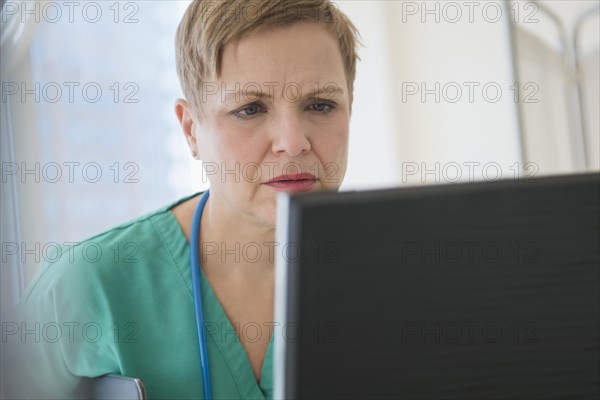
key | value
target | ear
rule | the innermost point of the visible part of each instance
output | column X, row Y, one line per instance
column 186, row 118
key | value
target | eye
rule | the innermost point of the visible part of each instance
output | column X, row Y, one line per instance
column 248, row 111
column 323, row 107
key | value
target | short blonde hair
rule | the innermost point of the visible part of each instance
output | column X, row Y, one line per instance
column 208, row 26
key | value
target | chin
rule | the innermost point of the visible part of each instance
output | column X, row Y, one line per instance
column 267, row 212
column 268, row 217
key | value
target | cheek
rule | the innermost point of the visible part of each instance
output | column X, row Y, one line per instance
column 230, row 145
column 337, row 143
column 241, row 152
column 332, row 151
column 237, row 153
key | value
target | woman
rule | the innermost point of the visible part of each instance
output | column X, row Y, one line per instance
column 269, row 95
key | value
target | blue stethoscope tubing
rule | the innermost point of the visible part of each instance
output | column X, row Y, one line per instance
column 195, row 268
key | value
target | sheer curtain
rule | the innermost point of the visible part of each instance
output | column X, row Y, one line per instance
column 544, row 104
column 104, row 144
column 587, row 51
column 560, row 125
column 114, row 131
column 590, row 75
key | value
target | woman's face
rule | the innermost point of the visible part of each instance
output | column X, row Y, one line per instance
column 276, row 119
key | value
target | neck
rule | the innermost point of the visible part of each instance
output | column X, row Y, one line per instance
column 233, row 245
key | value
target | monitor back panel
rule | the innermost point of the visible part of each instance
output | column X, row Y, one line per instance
column 485, row 290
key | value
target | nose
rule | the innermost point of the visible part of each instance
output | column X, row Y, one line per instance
column 290, row 135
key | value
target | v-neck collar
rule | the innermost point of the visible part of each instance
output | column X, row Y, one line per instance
column 232, row 349
column 224, row 338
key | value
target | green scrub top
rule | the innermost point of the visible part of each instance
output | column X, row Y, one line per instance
column 121, row 303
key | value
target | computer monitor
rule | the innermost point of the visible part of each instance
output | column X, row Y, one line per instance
column 472, row 290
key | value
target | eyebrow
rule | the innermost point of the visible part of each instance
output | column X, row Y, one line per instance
column 328, row 90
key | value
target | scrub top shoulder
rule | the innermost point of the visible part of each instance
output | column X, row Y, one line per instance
column 121, row 303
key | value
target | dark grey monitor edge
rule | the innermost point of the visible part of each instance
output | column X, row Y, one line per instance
column 306, row 199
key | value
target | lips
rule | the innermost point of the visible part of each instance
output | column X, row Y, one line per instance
column 293, row 183
column 294, row 177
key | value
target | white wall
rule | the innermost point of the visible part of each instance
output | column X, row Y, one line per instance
column 373, row 155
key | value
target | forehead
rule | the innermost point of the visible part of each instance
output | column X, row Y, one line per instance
column 304, row 52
